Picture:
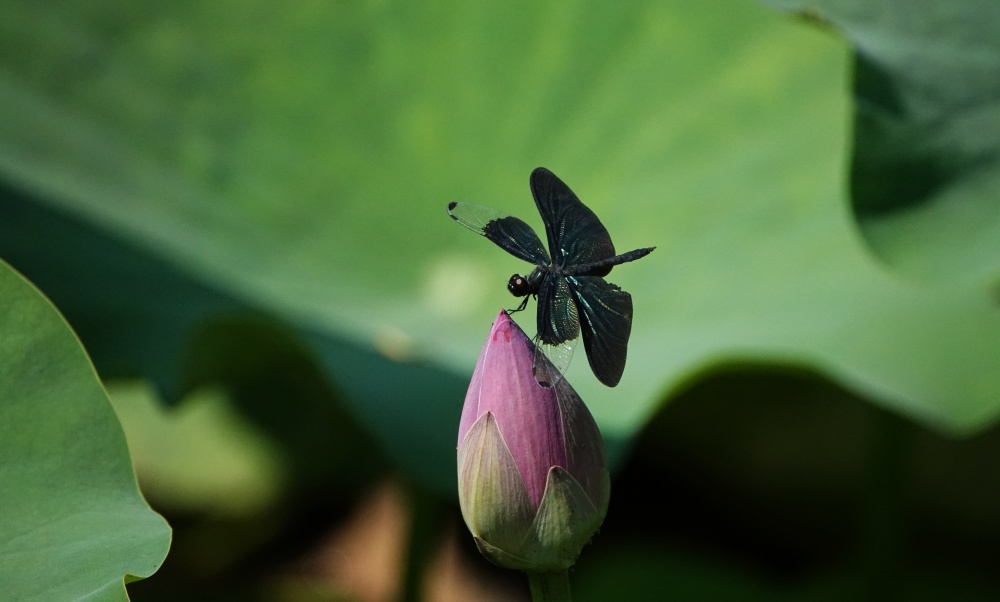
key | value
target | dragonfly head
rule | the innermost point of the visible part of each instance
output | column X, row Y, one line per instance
column 518, row 285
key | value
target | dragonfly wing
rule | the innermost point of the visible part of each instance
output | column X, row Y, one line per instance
column 558, row 329
column 558, row 320
column 551, row 361
column 606, row 321
column 507, row 232
column 575, row 234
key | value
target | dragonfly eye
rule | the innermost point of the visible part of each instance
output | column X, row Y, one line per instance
column 518, row 286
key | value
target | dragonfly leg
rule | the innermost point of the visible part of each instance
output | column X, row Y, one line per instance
column 520, row 307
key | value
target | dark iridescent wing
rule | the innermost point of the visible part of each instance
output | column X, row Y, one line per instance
column 606, row 322
column 575, row 234
column 557, row 315
column 558, row 327
column 507, row 232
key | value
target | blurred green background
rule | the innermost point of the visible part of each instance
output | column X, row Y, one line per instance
column 239, row 208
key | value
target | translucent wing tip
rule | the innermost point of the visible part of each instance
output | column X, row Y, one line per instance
column 551, row 361
column 546, row 375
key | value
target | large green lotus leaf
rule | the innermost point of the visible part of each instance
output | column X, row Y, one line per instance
column 925, row 175
column 74, row 525
column 141, row 315
column 297, row 158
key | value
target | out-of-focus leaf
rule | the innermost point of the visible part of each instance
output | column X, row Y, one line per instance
column 297, row 160
column 74, row 525
column 200, row 457
column 146, row 317
column 925, row 175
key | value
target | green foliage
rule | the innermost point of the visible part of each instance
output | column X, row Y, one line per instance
column 74, row 525
column 925, row 175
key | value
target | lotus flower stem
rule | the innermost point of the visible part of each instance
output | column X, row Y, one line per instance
column 549, row 587
column 425, row 518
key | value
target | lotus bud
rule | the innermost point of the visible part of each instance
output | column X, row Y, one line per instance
column 532, row 478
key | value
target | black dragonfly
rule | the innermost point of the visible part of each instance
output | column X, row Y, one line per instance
column 569, row 285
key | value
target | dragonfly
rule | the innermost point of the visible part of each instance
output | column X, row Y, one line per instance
column 568, row 279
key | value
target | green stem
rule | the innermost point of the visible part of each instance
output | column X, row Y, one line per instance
column 885, row 504
column 425, row 516
column 549, row 587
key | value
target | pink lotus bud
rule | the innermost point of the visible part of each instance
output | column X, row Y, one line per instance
column 532, row 478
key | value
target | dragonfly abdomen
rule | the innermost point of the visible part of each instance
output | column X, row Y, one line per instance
column 603, row 267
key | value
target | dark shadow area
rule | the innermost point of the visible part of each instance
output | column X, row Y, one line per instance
column 763, row 484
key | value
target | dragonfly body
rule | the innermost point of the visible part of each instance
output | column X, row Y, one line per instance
column 525, row 286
